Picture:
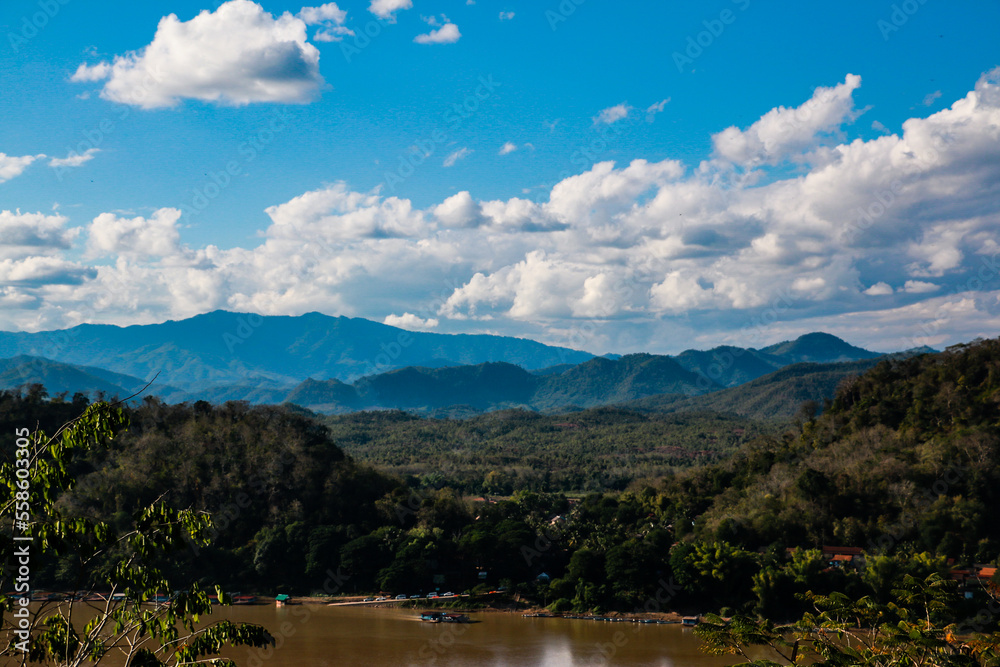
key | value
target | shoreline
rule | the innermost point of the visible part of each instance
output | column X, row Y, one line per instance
column 507, row 608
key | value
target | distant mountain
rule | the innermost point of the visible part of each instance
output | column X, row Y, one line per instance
column 730, row 366
column 58, row 378
column 483, row 386
column 223, row 348
column 601, row 381
column 818, row 348
column 339, row 364
column 495, row 386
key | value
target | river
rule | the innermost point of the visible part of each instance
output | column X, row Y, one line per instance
column 313, row 635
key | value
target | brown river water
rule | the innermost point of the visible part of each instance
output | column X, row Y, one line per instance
column 308, row 635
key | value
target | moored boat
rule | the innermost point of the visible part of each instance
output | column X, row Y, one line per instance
column 442, row 617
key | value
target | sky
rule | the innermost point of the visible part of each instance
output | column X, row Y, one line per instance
column 613, row 177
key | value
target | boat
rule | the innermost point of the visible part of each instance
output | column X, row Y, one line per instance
column 442, row 617
column 689, row 621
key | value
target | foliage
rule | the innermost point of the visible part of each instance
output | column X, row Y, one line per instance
column 502, row 452
column 124, row 563
column 907, row 454
column 916, row 627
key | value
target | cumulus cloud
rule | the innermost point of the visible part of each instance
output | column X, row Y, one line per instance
column 920, row 287
column 335, row 214
column 331, row 20
column 446, row 34
column 460, row 210
column 27, row 234
column 238, row 54
column 85, row 72
column 319, row 15
column 12, row 166
column 889, row 242
column 783, row 132
column 613, row 114
column 506, row 16
column 386, row 9
column 154, row 237
column 508, row 147
column 879, row 289
column 411, row 322
column 41, row 271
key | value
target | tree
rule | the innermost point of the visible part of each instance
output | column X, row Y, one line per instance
column 917, row 627
column 126, row 622
column 716, row 572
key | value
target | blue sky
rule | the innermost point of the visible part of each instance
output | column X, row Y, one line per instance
column 560, row 171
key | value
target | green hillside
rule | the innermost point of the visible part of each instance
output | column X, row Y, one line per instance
column 908, row 452
column 778, row 395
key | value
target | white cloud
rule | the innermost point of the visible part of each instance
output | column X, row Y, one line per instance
column 654, row 109
column 238, row 54
column 679, row 293
column 336, row 214
column 920, row 287
column 635, row 256
column 331, row 20
column 613, row 114
column 387, row 9
column 506, row 16
column 328, row 12
column 604, row 193
column 508, row 147
column 460, row 210
column 26, row 234
column 457, row 155
column 42, row 271
column 446, row 34
column 85, row 72
column 879, row 289
column 930, row 98
column 74, row 159
column 154, row 237
column 521, row 215
column 784, row 132
column 411, row 322
column 12, row 166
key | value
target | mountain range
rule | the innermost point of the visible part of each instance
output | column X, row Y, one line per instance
column 340, row 364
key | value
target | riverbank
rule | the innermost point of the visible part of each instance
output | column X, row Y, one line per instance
column 479, row 606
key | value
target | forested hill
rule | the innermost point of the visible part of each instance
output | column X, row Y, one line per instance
column 643, row 382
column 778, row 395
column 283, row 496
column 909, row 452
